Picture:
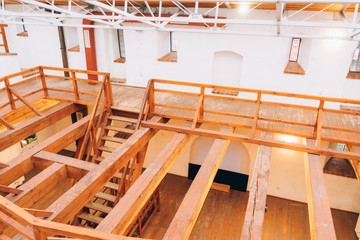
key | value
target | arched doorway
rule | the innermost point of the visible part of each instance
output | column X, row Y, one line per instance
column 227, row 68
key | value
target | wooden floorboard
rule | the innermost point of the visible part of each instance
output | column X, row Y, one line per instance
column 223, row 213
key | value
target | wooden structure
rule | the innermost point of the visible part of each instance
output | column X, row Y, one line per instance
column 4, row 43
column 108, row 190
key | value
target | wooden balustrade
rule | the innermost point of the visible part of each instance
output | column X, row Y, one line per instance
column 198, row 117
column 4, row 43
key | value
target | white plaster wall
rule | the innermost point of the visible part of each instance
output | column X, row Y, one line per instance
column 9, row 64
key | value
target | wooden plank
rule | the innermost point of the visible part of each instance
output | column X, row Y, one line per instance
column 75, row 168
column 254, row 140
column 128, row 208
column 321, row 222
column 6, row 123
column 23, row 163
column 254, row 216
column 189, row 210
column 38, row 213
column 33, row 125
column 71, row 202
column 3, row 165
column 220, row 187
column 21, row 98
column 7, row 189
column 39, row 186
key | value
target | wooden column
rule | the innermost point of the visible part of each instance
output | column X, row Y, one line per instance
column 254, row 216
column 185, row 218
column 321, row 222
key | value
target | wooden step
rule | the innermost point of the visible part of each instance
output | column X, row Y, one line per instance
column 99, row 158
column 105, row 196
column 113, row 139
column 112, row 185
column 98, row 207
column 119, row 129
column 126, row 109
column 123, row 119
column 118, row 175
column 90, row 218
column 106, row 149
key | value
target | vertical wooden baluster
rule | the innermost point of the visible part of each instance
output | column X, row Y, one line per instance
column 9, row 93
column 256, row 114
column 6, row 46
column 319, row 123
column 76, row 90
column 43, row 81
column 39, row 235
column 202, row 92
column 151, row 99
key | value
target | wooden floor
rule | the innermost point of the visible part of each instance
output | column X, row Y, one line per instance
column 222, row 215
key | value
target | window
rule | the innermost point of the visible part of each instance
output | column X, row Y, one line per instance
column 173, row 44
column 121, row 42
column 294, row 51
column 355, row 63
column 22, row 30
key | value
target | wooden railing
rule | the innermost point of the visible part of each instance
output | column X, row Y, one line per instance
column 200, row 111
column 4, row 43
column 31, row 227
column 62, row 92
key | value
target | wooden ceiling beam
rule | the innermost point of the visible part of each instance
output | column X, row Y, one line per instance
column 253, row 140
column 254, row 216
column 189, row 210
column 23, row 163
column 128, row 208
column 72, row 201
column 39, row 186
column 321, row 222
column 33, row 125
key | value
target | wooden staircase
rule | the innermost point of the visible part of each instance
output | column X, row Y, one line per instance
column 115, row 129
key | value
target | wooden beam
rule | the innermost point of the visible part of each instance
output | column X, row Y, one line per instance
column 29, row 127
column 25, row 231
column 38, row 213
column 355, row 164
column 75, row 168
column 6, row 123
column 3, row 165
column 254, row 140
column 128, row 208
column 254, row 216
column 21, row 98
column 189, row 210
column 71, row 202
column 23, row 163
column 7, row 189
column 39, row 186
column 321, row 222
column 256, row 114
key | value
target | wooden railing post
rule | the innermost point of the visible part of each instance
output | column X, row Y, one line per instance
column 38, row 234
column 318, row 124
column 9, row 93
column 76, row 90
column 151, row 99
column 5, row 43
column 43, row 81
column 202, row 92
column 110, row 97
column 256, row 114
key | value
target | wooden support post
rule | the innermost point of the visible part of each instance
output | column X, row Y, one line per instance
column 198, row 110
column 8, row 91
column 6, row 123
column 128, row 208
column 43, row 81
column 21, row 98
column 5, row 43
column 355, row 164
column 185, row 218
column 75, row 85
column 321, row 222
column 151, row 99
column 202, row 92
column 318, row 124
column 256, row 114
column 255, row 210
